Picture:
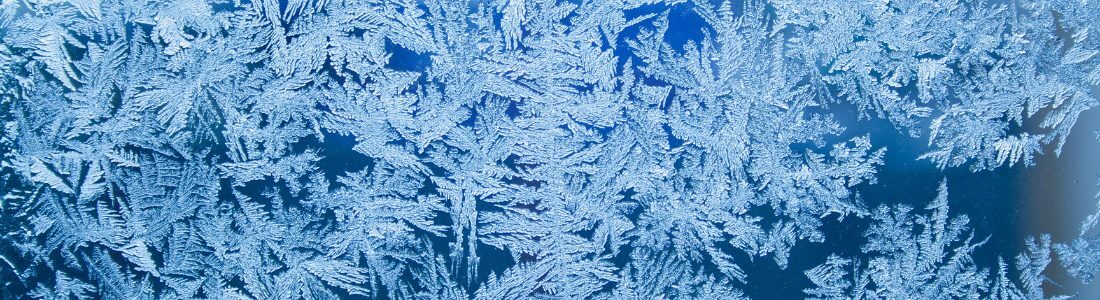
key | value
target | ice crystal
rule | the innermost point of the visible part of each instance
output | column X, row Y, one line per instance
column 518, row 149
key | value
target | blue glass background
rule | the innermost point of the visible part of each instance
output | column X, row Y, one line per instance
column 1007, row 204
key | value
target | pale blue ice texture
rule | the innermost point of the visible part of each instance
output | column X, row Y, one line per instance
column 544, row 149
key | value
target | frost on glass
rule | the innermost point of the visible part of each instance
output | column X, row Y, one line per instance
column 513, row 149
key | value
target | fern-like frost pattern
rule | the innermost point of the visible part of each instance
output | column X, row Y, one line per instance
column 525, row 149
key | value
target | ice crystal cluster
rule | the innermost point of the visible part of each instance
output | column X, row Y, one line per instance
column 525, row 149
